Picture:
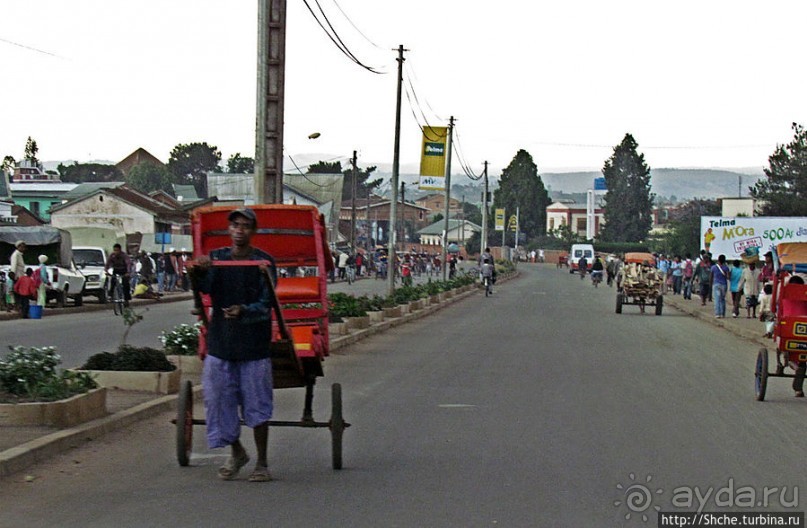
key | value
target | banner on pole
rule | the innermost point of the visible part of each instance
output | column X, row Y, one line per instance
column 433, row 159
column 513, row 224
column 499, row 220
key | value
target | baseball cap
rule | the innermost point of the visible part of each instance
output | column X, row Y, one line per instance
column 247, row 213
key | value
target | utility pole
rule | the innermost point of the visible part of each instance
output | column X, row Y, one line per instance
column 462, row 217
column 448, row 194
column 403, row 216
column 353, row 207
column 270, row 97
column 484, row 239
column 395, row 166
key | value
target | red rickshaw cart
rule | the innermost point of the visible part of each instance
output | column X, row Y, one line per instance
column 296, row 237
column 789, row 308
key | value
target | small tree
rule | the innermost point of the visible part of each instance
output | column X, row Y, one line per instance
column 147, row 177
column 238, row 164
column 190, row 162
column 31, row 150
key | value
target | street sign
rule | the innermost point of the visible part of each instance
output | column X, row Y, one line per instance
column 499, row 220
column 599, row 184
column 513, row 224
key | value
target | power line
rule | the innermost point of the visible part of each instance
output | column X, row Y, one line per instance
column 414, row 74
column 354, row 25
column 465, row 167
column 304, row 175
column 32, row 49
column 337, row 41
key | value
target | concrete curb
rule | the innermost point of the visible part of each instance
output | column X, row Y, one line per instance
column 25, row 455
column 18, row 458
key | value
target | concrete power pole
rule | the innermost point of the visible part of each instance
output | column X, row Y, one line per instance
column 448, row 194
column 353, row 206
column 403, row 216
column 395, row 166
column 271, row 93
column 484, row 239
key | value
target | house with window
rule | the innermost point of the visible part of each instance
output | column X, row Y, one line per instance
column 574, row 216
column 127, row 212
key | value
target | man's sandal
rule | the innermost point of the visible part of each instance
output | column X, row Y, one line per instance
column 233, row 465
column 260, row 474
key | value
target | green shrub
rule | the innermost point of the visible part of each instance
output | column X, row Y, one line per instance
column 343, row 305
column 30, row 374
column 183, row 340
column 127, row 357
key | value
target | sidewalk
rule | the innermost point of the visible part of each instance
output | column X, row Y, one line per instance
column 751, row 329
column 21, row 447
column 95, row 306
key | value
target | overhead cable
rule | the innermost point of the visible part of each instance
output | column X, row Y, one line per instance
column 334, row 37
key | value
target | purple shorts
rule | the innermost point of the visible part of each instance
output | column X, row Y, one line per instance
column 229, row 385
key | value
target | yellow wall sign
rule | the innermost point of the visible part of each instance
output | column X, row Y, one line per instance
column 499, row 220
column 433, row 159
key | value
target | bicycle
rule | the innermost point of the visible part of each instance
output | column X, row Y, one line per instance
column 116, row 294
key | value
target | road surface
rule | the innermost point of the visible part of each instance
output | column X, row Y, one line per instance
column 538, row 406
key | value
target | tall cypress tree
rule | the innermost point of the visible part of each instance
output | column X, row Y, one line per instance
column 628, row 201
column 522, row 187
column 783, row 192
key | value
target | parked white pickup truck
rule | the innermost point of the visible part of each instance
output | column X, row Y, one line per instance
column 90, row 261
column 66, row 278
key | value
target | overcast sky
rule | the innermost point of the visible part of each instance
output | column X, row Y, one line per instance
column 698, row 83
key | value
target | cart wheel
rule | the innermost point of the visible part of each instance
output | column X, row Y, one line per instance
column 659, row 304
column 185, row 424
column 619, row 303
column 336, row 425
column 761, row 374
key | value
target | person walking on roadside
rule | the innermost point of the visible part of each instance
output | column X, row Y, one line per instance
column 663, row 269
column 677, row 273
column 170, row 271
column 688, row 274
column 735, row 276
column 18, row 265
column 750, row 286
column 704, row 274
column 766, row 273
column 42, row 281
column 25, row 288
column 237, row 371
column 720, row 282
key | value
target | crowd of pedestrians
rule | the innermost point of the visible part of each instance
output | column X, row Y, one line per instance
column 349, row 266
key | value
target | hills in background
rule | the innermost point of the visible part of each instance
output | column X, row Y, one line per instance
column 670, row 184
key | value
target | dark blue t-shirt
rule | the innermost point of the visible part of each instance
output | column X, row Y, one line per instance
column 248, row 337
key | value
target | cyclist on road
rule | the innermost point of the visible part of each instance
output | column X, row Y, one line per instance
column 119, row 263
column 488, row 270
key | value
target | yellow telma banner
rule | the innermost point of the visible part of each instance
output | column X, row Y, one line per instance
column 499, row 220
column 433, row 159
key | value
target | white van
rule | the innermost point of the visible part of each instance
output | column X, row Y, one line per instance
column 579, row 251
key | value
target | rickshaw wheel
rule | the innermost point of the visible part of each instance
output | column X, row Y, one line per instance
column 185, row 424
column 336, row 425
column 659, row 304
column 619, row 303
column 761, row 374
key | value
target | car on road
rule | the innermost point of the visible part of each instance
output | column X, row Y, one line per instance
column 579, row 251
column 91, row 260
column 67, row 280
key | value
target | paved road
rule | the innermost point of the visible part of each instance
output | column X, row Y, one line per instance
column 536, row 407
